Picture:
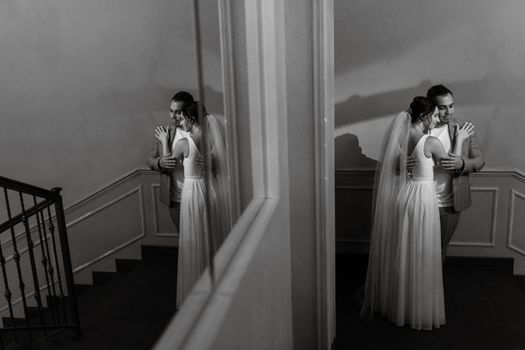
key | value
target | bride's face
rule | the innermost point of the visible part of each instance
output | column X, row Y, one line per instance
column 185, row 124
column 432, row 119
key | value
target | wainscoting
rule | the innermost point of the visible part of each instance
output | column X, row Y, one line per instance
column 492, row 227
column 113, row 222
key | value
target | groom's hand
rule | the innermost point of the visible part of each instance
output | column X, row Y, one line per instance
column 200, row 163
column 411, row 163
column 168, row 162
column 452, row 162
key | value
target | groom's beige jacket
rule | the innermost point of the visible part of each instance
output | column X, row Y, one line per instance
column 168, row 177
column 473, row 161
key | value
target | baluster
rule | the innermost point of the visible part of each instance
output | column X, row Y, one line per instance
column 56, row 300
column 44, row 259
column 16, row 257
column 66, row 259
column 57, row 265
column 7, row 290
column 53, row 254
column 30, row 247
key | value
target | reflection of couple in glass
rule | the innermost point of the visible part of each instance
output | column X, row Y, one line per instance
column 190, row 156
column 421, row 187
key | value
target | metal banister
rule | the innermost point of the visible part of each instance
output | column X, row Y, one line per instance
column 19, row 186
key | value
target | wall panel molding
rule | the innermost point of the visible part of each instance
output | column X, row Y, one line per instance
column 109, row 252
column 104, row 190
column 155, row 214
column 514, row 195
column 124, row 244
column 500, row 200
column 110, row 186
column 137, row 189
column 493, row 221
column 105, row 198
column 84, row 217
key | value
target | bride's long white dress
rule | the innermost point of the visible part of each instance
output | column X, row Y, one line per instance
column 404, row 279
column 417, row 280
column 194, row 244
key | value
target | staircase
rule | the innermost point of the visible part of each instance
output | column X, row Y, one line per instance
column 35, row 264
column 127, row 309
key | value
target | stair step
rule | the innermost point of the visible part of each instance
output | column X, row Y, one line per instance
column 126, row 265
column 154, row 250
column 101, row 277
column 33, row 312
column 81, row 288
column 8, row 323
column 141, row 294
column 20, row 345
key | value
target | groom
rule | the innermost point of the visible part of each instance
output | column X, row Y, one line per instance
column 452, row 179
column 171, row 171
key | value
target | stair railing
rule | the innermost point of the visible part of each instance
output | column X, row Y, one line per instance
column 38, row 288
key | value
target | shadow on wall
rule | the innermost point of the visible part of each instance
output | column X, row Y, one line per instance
column 348, row 153
column 499, row 96
column 492, row 90
column 356, row 108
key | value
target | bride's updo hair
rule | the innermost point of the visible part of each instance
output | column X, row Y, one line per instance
column 195, row 112
column 420, row 108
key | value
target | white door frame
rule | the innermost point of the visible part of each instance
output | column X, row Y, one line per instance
column 323, row 36
column 200, row 318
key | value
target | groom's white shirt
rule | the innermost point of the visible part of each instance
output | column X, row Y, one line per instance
column 442, row 177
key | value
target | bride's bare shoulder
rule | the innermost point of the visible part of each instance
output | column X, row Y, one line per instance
column 432, row 141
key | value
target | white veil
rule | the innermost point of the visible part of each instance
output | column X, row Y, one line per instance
column 390, row 176
column 219, row 179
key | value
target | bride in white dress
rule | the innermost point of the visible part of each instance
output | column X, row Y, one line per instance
column 198, row 203
column 404, row 279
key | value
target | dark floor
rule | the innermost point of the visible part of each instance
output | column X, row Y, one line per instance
column 484, row 305
column 129, row 310
column 485, row 309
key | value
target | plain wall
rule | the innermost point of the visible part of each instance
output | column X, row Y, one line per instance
column 260, row 313
column 301, row 150
column 388, row 52
column 85, row 82
column 259, row 316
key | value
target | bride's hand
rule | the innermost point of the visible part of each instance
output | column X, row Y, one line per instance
column 161, row 133
column 465, row 131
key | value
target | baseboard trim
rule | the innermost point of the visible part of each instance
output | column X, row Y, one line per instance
column 507, row 262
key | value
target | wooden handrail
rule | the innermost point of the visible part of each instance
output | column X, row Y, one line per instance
column 10, row 184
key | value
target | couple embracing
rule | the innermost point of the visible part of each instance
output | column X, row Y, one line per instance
column 190, row 156
column 422, row 185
